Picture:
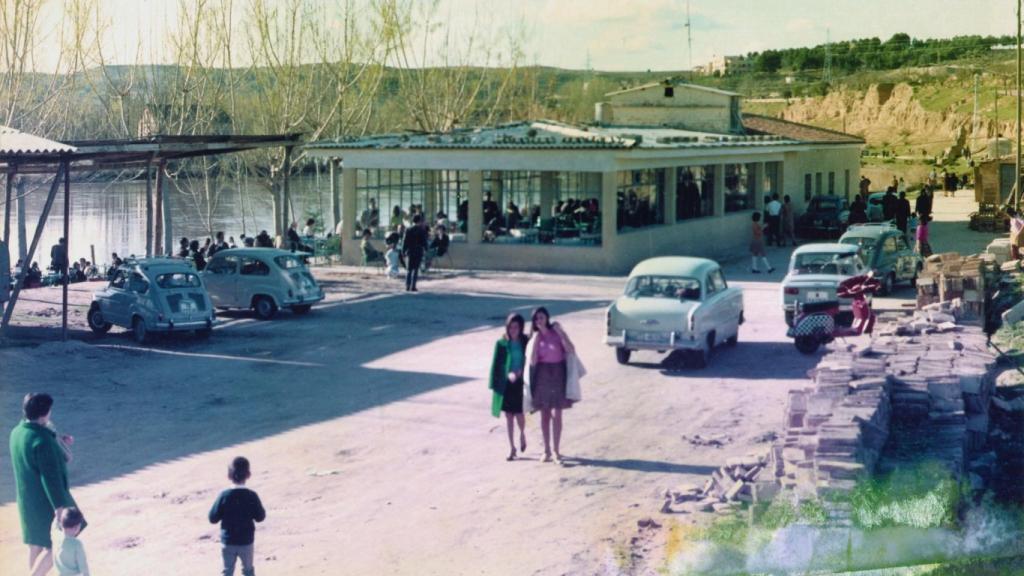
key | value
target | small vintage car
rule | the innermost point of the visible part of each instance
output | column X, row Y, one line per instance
column 675, row 303
column 876, row 210
column 825, row 216
column 815, row 271
column 261, row 279
column 150, row 296
column 884, row 250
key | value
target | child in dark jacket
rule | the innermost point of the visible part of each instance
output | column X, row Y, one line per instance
column 237, row 509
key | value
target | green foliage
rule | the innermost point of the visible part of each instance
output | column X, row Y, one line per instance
column 925, row 496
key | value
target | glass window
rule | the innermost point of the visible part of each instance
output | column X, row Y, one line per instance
column 254, row 267
column 532, row 207
column 770, row 179
column 718, row 280
column 695, row 192
column 808, row 192
column 225, row 265
column 827, row 263
column 867, row 247
column 739, row 187
column 674, row 287
column 710, row 284
column 137, row 283
column 889, row 247
column 901, row 244
column 178, row 280
column 831, row 183
column 846, row 185
column 289, row 262
column 641, row 198
column 118, row 281
column 383, row 191
column 817, row 183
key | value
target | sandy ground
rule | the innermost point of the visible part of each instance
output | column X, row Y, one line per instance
column 368, row 428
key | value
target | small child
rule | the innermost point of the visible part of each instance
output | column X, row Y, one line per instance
column 70, row 556
column 392, row 258
column 236, row 508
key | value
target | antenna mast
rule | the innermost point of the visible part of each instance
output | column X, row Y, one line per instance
column 828, row 57
column 689, row 41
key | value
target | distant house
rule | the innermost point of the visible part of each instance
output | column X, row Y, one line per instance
column 666, row 168
column 725, row 65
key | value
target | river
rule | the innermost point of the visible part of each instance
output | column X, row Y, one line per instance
column 111, row 216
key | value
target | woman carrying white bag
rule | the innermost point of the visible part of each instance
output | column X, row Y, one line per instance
column 553, row 379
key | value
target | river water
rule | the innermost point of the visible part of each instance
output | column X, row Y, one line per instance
column 111, row 217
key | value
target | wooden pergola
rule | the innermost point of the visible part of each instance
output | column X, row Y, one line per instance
column 22, row 153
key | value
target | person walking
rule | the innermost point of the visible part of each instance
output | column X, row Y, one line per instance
column 237, row 509
column 40, row 479
column 548, row 351
column 70, row 558
column 774, row 220
column 889, row 205
column 865, row 186
column 506, row 380
column 923, row 204
column 858, row 211
column 757, row 246
column 1016, row 230
column 414, row 245
column 788, row 221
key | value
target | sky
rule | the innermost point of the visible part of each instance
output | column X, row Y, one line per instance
column 643, row 34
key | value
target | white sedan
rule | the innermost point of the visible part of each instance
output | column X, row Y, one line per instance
column 262, row 279
column 675, row 303
column 815, row 271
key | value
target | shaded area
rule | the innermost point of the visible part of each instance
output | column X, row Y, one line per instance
column 640, row 465
column 256, row 399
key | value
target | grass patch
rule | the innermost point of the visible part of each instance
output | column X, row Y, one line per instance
column 924, row 496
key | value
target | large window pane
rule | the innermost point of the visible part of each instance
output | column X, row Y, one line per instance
column 528, row 207
column 695, row 192
column 739, row 187
column 641, row 198
column 387, row 200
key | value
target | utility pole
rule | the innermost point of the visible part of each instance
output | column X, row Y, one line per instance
column 974, row 117
column 828, row 57
column 689, row 41
column 1016, row 186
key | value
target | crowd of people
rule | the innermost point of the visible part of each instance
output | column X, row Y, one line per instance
column 410, row 242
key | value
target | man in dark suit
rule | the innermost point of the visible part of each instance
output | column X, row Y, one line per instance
column 413, row 246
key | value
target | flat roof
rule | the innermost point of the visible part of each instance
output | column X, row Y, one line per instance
column 755, row 124
column 684, row 85
column 550, row 134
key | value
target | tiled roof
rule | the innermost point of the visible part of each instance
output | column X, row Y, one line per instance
column 764, row 125
column 681, row 85
column 16, row 142
column 548, row 134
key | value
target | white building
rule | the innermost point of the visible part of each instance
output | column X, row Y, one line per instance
column 666, row 169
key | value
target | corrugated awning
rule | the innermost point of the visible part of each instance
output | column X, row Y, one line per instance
column 17, row 142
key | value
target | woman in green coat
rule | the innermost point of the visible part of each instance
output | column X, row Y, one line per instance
column 40, row 478
column 507, row 380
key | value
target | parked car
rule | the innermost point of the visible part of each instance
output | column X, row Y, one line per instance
column 884, row 250
column 675, row 303
column 815, row 271
column 825, row 216
column 150, row 296
column 262, row 279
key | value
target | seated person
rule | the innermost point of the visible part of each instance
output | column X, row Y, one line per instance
column 438, row 246
column 263, row 240
column 512, row 217
column 370, row 254
column 392, row 259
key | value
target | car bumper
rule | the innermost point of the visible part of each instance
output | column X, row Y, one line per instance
column 183, row 326
column 673, row 341
column 303, row 299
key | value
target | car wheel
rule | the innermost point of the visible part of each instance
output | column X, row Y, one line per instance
column 807, row 344
column 703, row 356
column 139, row 331
column 96, row 322
column 789, row 317
column 888, row 283
column 734, row 339
column 622, row 355
column 301, row 308
column 264, row 307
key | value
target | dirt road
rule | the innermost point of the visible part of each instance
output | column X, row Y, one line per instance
column 368, row 428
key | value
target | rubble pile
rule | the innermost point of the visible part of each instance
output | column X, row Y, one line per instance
column 743, row 479
column 950, row 276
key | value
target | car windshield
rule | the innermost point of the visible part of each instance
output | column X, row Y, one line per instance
column 674, row 287
column 178, row 280
column 826, row 263
column 289, row 262
column 867, row 246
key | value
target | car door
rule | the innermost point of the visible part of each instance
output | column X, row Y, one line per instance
column 139, row 299
column 905, row 257
column 115, row 300
column 221, row 279
column 718, row 308
column 888, row 259
column 253, row 279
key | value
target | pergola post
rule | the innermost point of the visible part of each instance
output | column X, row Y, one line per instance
column 759, row 197
column 22, row 231
column 35, row 243
column 149, row 208
column 286, row 196
column 475, row 218
column 548, row 185
column 719, row 198
column 165, row 207
column 9, row 185
column 158, row 215
column 609, row 215
column 65, row 166
column 348, row 214
column 335, row 197
column 671, row 196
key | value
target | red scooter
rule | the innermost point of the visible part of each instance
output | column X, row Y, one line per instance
column 815, row 323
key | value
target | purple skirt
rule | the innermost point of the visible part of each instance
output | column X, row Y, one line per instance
column 548, row 386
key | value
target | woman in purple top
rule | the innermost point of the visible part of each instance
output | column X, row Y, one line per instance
column 547, row 382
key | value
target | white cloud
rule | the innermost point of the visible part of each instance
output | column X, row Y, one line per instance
column 800, row 25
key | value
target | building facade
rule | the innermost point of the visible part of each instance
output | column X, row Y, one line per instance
column 667, row 169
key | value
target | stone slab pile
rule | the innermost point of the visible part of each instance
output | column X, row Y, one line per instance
column 999, row 249
column 742, row 479
column 950, row 276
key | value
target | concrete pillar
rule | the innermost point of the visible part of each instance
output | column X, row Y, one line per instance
column 475, row 218
column 609, row 219
column 759, row 193
column 548, row 191
column 670, row 194
column 149, row 209
column 349, row 215
column 431, row 186
column 161, row 176
column 719, row 199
